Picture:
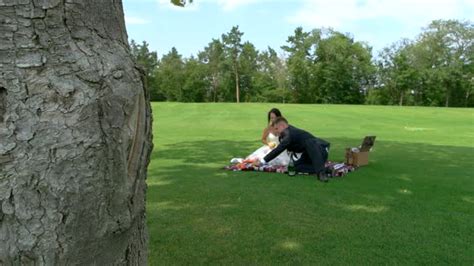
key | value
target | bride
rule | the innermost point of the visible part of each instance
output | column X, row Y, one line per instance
column 270, row 141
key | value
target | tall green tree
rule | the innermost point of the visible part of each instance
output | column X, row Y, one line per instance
column 171, row 76
column 326, row 66
column 271, row 79
column 342, row 70
column 147, row 61
column 446, row 52
column 248, row 71
column 435, row 69
column 300, row 50
column 195, row 86
column 233, row 48
column 399, row 75
column 213, row 58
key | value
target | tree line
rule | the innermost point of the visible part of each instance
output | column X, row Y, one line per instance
column 320, row 66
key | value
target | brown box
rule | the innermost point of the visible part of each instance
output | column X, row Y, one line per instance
column 360, row 156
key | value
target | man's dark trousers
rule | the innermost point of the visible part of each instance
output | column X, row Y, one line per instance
column 312, row 160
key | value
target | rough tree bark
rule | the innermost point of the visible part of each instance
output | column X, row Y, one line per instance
column 75, row 136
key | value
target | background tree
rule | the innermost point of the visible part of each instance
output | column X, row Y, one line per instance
column 446, row 54
column 299, row 65
column 271, row 78
column 195, row 87
column 213, row 59
column 435, row 69
column 75, row 136
column 233, row 48
column 171, row 76
column 398, row 72
column 248, row 71
column 320, row 66
column 342, row 70
column 328, row 67
column 148, row 61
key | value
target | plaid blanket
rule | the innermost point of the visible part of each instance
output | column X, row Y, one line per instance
column 338, row 169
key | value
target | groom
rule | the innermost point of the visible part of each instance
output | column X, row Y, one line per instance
column 314, row 150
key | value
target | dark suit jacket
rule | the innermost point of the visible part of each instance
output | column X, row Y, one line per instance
column 294, row 140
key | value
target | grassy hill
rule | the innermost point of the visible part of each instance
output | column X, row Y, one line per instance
column 414, row 202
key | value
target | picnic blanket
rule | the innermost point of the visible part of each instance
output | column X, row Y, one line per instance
column 338, row 169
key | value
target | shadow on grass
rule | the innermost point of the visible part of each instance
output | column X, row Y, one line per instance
column 410, row 193
column 395, row 158
column 409, row 169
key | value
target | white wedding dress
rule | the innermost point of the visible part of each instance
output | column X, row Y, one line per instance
column 282, row 159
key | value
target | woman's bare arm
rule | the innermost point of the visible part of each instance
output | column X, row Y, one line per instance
column 266, row 131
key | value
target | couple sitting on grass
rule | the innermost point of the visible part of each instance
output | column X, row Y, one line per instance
column 284, row 142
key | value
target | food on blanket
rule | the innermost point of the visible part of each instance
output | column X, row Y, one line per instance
column 336, row 169
column 241, row 166
column 272, row 145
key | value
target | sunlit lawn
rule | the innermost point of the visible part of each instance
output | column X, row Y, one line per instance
column 414, row 203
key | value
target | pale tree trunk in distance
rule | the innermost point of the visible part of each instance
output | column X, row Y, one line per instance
column 448, row 92
column 468, row 93
column 75, row 136
column 446, row 103
column 237, row 87
column 215, row 85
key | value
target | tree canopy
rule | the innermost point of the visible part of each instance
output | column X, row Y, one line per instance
column 320, row 66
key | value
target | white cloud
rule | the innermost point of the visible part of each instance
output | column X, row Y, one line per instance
column 229, row 5
column 135, row 20
column 379, row 22
column 323, row 13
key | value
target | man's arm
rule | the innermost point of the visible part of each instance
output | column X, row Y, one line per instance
column 285, row 141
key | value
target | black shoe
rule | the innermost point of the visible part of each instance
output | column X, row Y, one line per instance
column 323, row 177
column 329, row 172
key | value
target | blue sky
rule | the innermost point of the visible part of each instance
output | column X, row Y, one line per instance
column 270, row 22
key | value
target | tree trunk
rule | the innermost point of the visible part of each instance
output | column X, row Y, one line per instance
column 400, row 102
column 468, row 94
column 75, row 136
column 446, row 103
column 215, row 85
column 237, row 87
column 448, row 92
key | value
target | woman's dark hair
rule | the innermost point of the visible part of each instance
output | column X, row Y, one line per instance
column 279, row 120
column 275, row 111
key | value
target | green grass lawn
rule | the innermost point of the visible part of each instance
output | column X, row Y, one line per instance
column 413, row 204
